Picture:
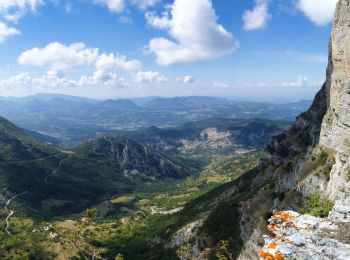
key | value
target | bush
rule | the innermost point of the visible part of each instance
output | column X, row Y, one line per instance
column 317, row 206
column 323, row 157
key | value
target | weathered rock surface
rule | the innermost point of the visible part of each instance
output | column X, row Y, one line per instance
column 304, row 237
column 134, row 160
column 209, row 138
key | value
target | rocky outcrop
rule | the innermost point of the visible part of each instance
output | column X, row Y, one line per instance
column 210, row 138
column 313, row 156
column 135, row 160
column 306, row 237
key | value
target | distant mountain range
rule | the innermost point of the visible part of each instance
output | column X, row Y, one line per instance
column 60, row 182
column 70, row 120
column 209, row 135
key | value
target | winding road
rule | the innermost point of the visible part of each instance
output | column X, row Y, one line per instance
column 11, row 212
column 54, row 171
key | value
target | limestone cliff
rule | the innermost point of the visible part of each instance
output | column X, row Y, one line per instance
column 312, row 157
column 310, row 160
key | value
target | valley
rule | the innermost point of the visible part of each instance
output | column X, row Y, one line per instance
column 174, row 130
column 138, row 182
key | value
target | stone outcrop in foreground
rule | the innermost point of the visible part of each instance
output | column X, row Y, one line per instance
column 297, row 236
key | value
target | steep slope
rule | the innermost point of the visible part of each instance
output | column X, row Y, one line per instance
column 132, row 159
column 56, row 182
column 305, row 169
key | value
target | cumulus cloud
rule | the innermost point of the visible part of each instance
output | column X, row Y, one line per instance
column 118, row 6
column 13, row 10
column 195, row 34
column 112, row 61
column 149, row 77
column 158, row 22
column 102, row 78
column 58, row 56
column 113, row 5
column 51, row 80
column 258, row 17
column 143, row 4
column 6, row 32
column 188, row 79
column 55, row 80
column 319, row 12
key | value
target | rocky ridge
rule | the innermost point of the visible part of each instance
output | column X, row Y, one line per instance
column 298, row 236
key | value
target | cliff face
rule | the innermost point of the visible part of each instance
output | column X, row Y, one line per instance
column 305, row 169
column 134, row 160
column 313, row 157
column 335, row 131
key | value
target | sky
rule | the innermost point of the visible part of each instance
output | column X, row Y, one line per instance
column 257, row 50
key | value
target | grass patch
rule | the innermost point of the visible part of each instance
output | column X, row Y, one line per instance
column 123, row 200
column 316, row 205
column 323, row 157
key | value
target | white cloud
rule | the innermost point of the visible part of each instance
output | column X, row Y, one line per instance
column 113, row 5
column 13, row 10
column 302, row 81
column 58, row 56
column 221, row 85
column 195, row 32
column 119, row 6
column 112, row 62
column 51, row 80
column 125, row 19
column 149, row 77
column 55, row 80
column 258, row 17
column 319, row 12
column 158, row 22
column 6, row 32
column 143, row 4
column 101, row 78
column 188, row 79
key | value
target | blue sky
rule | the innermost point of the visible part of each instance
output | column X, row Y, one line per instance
column 244, row 49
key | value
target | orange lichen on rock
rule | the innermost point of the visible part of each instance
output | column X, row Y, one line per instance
column 270, row 256
column 273, row 227
column 265, row 255
column 279, row 256
column 284, row 216
column 272, row 246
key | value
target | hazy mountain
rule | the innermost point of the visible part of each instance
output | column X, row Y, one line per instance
column 74, row 120
column 185, row 102
column 210, row 135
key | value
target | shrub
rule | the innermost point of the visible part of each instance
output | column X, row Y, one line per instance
column 323, row 157
column 317, row 205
